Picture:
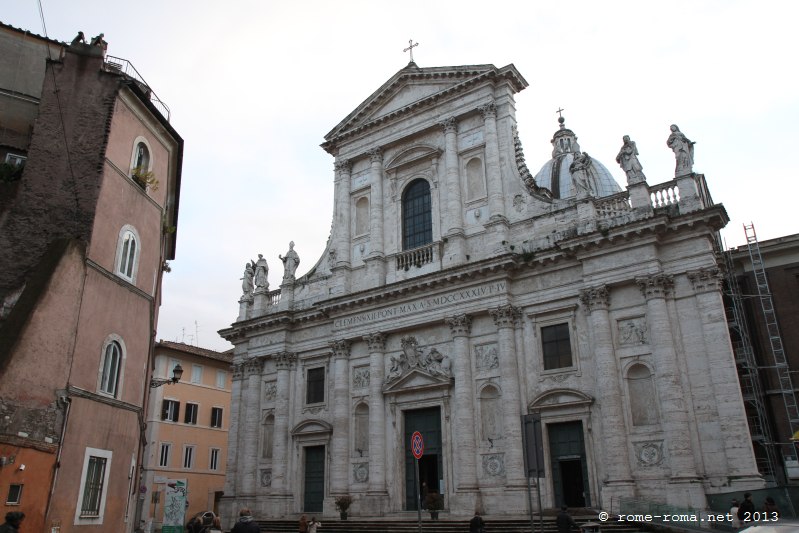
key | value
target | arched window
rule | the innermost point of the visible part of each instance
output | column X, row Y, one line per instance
column 475, row 181
column 643, row 404
column 417, row 216
column 141, row 158
column 362, row 428
column 490, row 413
column 362, row 216
column 109, row 369
column 268, row 437
column 128, row 251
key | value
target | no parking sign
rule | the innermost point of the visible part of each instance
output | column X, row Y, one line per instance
column 417, row 445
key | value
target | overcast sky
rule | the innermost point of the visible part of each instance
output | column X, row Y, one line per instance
column 255, row 85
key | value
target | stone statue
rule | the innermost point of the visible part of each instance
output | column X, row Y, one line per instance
column 290, row 262
column 628, row 159
column 247, row 284
column 98, row 40
column 79, row 38
column 581, row 174
column 396, row 369
column 683, row 149
column 261, row 273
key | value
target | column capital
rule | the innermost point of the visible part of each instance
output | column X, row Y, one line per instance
column 238, row 371
column 341, row 348
column 376, row 341
column 343, row 166
column 285, row 360
column 655, row 286
column 253, row 366
column 706, row 279
column 460, row 325
column 595, row 298
column 375, row 155
column 450, row 125
column 488, row 110
column 505, row 316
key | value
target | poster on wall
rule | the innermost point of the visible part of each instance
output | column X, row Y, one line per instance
column 174, row 506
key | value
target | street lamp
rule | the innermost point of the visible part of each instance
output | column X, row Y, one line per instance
column 177, row 372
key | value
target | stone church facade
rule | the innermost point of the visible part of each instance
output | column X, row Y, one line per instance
column 459, row 292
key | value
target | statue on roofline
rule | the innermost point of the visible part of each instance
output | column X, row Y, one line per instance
column 290, row 262
column 628, row 160
column 683, row 149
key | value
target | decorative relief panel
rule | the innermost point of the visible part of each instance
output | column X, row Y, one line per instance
column 360, row 472
column 360, row 377
column 632, row 331
column 266, row 477
column 486, row 357
column 494, row 464
column 649, row 453
column 270, row 391
column 413, row 357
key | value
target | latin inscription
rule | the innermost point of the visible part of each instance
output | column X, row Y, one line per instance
column 424, row 304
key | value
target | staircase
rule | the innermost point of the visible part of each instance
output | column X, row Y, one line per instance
column 440, row 526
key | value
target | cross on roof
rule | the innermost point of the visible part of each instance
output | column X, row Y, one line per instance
column 560, row 112
column 410, row 48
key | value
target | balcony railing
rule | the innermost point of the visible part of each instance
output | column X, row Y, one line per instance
column 416, row 257
column 124, row 67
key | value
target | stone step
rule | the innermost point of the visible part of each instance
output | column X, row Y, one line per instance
column 436, row 526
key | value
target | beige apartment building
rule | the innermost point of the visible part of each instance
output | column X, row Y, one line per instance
column 187, row 427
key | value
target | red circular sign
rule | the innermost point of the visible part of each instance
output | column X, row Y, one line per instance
column 417, row 445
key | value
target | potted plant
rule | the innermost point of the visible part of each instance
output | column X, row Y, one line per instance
column 144, row 178
column 342, row 504
column 434, row 502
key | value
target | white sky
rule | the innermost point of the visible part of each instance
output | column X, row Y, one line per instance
column 255, row 85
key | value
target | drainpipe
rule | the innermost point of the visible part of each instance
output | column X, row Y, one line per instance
column 68, row 401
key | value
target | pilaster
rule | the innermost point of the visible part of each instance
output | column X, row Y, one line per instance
column 466, row 450
column 455, row 247
column 496, row 203
column 252, row 404
column 339, row 448
column 285, row 362
column 234, row 435
column 375, row 263
column 377, row 413
column 343, row 212
column 506, row 317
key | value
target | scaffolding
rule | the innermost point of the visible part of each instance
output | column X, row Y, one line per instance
column 749, row 370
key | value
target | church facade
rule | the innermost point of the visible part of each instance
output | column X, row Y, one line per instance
column 458, row 292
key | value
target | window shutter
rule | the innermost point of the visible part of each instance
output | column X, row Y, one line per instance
column 177, row 411
column 164, row 409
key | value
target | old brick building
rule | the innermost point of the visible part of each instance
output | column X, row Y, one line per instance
column 86, row 228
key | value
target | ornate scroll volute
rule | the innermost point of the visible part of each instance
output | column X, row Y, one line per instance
column 459, row 325
column 595, row 298
column 376, row 342
column 341, row 349
column 505, row 316
column 655, row 286
column 706, row 279
column 285, row 360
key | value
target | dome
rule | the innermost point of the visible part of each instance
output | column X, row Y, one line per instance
column 556, row 175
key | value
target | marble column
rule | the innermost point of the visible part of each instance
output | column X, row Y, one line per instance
column 464, row 426
column 740, row 464
column 343, row 213
column 339, row 445
column 616, row 455
column 496, row 204
column 506, row 317
column 234, row 436
column 454, row 251
column 672, row 396
column 252, row 423
column 285, row 361
column 377, row 413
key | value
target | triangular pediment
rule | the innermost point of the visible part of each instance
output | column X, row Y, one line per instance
column 414, row 88
column 416, row 380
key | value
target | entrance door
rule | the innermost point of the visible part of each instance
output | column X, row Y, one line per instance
column 431, row 471
column 569, row 466
column 314, row 479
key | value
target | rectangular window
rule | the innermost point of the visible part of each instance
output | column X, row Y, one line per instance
column 216, row 417
column 213, row 464
column 188, row 456
column 191, row 413
column 16, row 160
column 196, row 374
column 93, row 487
column 556, row 346
column 221, row 379
column 316, row 385
column 166, row 449
column 14, row 495
column 170, row 410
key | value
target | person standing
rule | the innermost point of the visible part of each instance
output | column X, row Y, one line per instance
column 564, row 522
column 735, row 522
column 313, row 525
column 477, row 524
column 746, row 509
column 13, row 521
column 303, row 528
column 246, row 524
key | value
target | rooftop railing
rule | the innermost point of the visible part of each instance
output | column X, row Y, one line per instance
column 126, row 68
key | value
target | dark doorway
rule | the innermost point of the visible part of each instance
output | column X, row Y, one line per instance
column 569, row 466
column 314, row 479
column 428, row 423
